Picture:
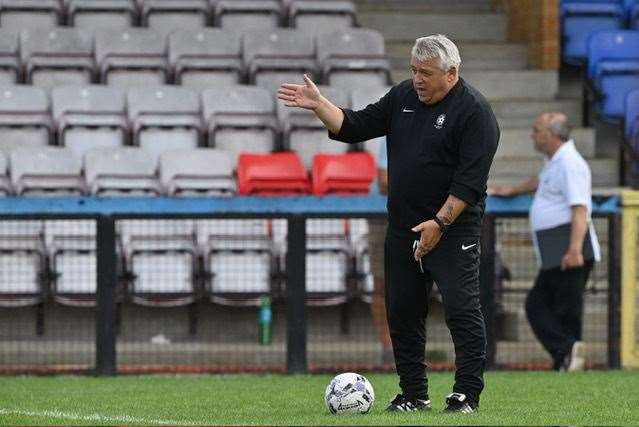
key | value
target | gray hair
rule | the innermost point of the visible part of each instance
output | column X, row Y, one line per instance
column 558, row 125
column 437, row 46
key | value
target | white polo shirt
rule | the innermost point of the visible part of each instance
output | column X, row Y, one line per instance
column 564, row 181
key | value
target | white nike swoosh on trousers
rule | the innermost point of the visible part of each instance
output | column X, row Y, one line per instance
column 465, row 248
column 408, row 111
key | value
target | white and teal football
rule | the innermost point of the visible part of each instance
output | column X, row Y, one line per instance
column 349, row 393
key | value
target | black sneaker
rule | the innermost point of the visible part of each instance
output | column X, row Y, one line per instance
column 457, row 402
column 404, row 404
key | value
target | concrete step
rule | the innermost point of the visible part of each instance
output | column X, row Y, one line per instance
column 506, row 84
column 475, row 56
column 440, row 6
column 489, row 27
column 517, row 143
column 513, row 171
column 521, row 113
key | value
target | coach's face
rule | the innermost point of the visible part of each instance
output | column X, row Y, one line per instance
column 430, row 82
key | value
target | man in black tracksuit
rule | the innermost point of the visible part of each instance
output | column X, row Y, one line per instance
column 441, row 139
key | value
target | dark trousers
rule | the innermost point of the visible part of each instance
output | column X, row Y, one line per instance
column 456, row 273
column 554, row 308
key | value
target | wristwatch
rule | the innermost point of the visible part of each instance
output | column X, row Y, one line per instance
column 442, row 225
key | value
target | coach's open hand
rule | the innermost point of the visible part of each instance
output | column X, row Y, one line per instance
column 304, row 96
column 430, row 235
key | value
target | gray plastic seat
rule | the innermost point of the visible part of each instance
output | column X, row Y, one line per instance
column 278, row 56
column 71, row 246
column 239, row 259
column 322, row 16
column 206, row 57
column 120, row 172
column 244, row 15
column 169, row 15
column 22, row 262
column 135, row 57
column 240, row 119
column 22, row 14
column 198, row 172
column 161, row 259
column 305, row 134
column 9, row 57
column 102, row 14
column 89, row 116
column 25, row 120
column 353, row 57
column 46, row 171
column 56, row 57
column 164, row 118
column 360, row 98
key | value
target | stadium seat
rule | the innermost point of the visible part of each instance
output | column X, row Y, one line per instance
column 346, row 174
column 132, row 58
column 206, row 57
column 123, row 171
column 360, row 98
column 30, row 14
column 25, row 119
column 322, row 16
column 5, row 182
column 632, row 12
column 631, row 119
column 613, row 67
column 160, row 261
column 168, row 15
column 46, row 171
column 272, row 174
column 102, row 14
column 199, row 172
column 305, row 134
column 244, row 15
column 240, row 119
column 239, row 259
column 22, row 262
column 278, row 56
column 89, row 116
column 353, row 58
column 9, row 59
column 71, row 247
column 57, row 57
column 164, row 118
column 580, row 19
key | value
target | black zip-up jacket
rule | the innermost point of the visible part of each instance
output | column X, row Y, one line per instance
column 433, row 151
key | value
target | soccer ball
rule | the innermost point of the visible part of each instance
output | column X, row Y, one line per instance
column 349, row 393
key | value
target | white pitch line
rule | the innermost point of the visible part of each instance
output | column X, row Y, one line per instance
column 126, row 419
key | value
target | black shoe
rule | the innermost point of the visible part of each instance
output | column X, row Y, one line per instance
column 458, row 402
column 404, row 404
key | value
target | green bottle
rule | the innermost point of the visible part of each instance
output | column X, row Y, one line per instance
column 265, row 321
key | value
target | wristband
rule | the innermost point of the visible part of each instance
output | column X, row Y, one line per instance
column 443, row 227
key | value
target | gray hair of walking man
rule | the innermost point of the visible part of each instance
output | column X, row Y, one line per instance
column 437, row 46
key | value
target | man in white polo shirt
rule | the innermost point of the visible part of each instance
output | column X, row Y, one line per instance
column 565, row 241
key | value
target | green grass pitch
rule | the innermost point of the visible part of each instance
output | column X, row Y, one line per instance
column 510, row 398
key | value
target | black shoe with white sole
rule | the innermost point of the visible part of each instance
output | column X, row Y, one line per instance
column 405, row 404
column 459, row 403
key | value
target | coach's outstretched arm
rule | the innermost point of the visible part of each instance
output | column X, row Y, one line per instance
column 308, row 96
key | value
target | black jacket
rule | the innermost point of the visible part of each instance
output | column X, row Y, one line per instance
column 433, row 151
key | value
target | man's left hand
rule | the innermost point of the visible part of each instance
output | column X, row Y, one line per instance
column 572, row 259
column 430, row 235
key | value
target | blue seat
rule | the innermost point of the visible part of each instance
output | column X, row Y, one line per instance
column 632, row 12
column 631, row 121
column 579, row 19
column 613, row 69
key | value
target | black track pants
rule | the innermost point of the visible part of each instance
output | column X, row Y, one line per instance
column 454, row 266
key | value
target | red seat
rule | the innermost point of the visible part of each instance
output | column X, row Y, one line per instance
column 350, row 173
column 272, row 174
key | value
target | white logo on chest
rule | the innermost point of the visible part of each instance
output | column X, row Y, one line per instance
column 439, row 123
